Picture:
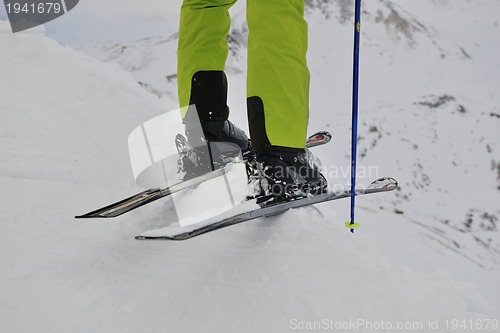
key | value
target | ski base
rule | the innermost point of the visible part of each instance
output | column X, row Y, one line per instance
column 183, row 233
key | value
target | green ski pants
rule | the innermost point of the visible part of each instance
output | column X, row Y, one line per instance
column 278, row 77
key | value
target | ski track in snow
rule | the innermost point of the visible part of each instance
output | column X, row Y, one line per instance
column 426, row 253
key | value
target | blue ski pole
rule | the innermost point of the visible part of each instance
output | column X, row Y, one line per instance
column 355, row 84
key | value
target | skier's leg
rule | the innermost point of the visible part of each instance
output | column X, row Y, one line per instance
column 278, row 97
column 202, row 47
column 278, row 77
column 201, row 54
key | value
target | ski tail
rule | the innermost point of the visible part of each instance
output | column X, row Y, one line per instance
column 147, row 196
column 125, row 205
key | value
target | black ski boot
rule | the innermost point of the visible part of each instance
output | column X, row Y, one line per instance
column 287, row 175
column 214, row 140
column 209, row 98
column 226, row 131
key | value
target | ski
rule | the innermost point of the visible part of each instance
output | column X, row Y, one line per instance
column 183, row 233
column 318, row 139
column 150, row 195
column 153, row 194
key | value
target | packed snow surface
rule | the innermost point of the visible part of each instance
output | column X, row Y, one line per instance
column 426, row 254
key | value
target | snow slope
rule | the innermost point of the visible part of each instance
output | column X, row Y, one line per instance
column 429, row 116
column 65, row 120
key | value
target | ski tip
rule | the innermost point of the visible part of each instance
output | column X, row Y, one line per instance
column 385, row 183
column 319, row 138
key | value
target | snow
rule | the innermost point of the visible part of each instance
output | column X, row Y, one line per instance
column 428, row 252
column 218, row 196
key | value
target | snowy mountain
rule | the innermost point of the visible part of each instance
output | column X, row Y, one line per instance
column 429, row 117
column 429, row 107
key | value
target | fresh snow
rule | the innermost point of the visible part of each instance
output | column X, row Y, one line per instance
column 429, row 117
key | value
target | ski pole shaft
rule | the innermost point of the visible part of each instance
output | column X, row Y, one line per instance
column 355, row 86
